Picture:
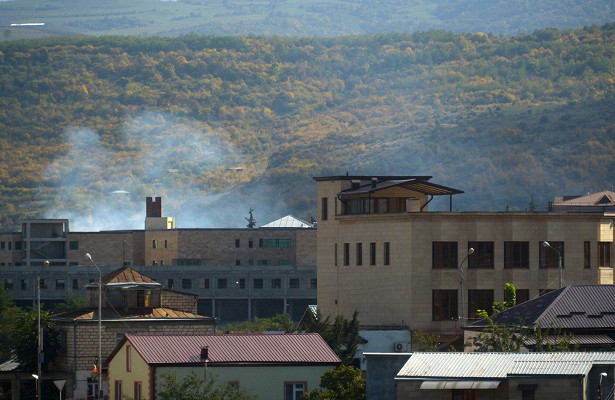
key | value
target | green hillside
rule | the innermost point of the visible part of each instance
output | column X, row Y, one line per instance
column 218, row 125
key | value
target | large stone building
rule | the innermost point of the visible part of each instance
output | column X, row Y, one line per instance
column 238, row 274
column 383, row 253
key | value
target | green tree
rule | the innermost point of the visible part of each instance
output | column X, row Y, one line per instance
column 342, row 383
column 251, row 220
column 25, row 347
column 279, row 322
column 192, row 388
column 71, row 302
column 425, row 341
column 343, row 337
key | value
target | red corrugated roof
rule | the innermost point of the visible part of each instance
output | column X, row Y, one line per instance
column 291, row 348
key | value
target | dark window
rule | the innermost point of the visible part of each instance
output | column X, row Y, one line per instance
column 313, row 283
column 186, row 283
column 237, row 243
column 240, row 283
column 482, row 256
column 346, row 254
column 8, row 284
column 548, row 257
column 43, row 283
column 372, row 253
column 516, row 255
column 444, row 254
column 170, row 283
column 444, row 305
column 222, row 283
column 293, row 283
column 250, row 243
column 154, row 244
column 165, row 243
column 18, row 245
column 76, row 284
column 24, row 284
column 264, row 262
column 274, row 243
column 386, row 253
column 60, row 284
column 237, row 262
column 587, row 260
column 250, row 262
column 284, row 262
column 523, row 295
column 604, row 254
column 204, row 283
column 359, row 254
column 324, row 209
column 2, row 244
column 479, row 299
column 335, row 254
column 258, row 283
column 276, row 283
column 73, row 245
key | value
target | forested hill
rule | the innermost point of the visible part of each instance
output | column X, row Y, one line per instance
column 219, row 125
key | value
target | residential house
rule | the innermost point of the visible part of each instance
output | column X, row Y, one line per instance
column 270, row 366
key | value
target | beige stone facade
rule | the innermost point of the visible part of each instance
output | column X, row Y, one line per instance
column 396, row 267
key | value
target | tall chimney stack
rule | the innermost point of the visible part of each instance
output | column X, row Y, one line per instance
column 153, row 208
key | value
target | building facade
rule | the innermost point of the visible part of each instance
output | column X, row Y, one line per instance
column 383, row 253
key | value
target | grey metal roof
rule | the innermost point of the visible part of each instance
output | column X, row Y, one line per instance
column 417, row 185
column 288, row 222
column 480, row 366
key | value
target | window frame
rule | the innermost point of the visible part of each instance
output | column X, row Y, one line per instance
column 547, row 257
column 295, row 395
column 480, row 299
column 483, row 256
column 516, row 254
column 604, row 254
column 448, row 311
column 444, row 255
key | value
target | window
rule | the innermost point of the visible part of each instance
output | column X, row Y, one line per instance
column 284, row 262
column 73, row 245
column 187, row 261
column 323, row 209
column 170, row 284
column 250, row 243
column 139, row 299
column 357, row 206
column 276, row 283
column 335, row 254
column 237, row 262
column 138, row 391
column 444, row 255
column 128, row 358
column 118, row 390
column 294, row 390
column 523, row 295
column 587, row 263
column 250, row 262
column 516, row 255
column 479, row 299
column 274, row 243
column 237, row 243
column 359, row 254
column 92, row 387
column 43, row 283
column 293, row 283
column 2, row 244
column 264, row 262
column 204, row 283
column 464, row 394
column 482, row 256
column 8, row 284
column 165, row 243
column 60, row 284
column 155, row 262
column 372, row 253
column 240, row 283
column 549, row 258
column 258, row 283
column 222, row 283
column 346, row 254
column 604, row 254
column 18, row 245
column 386, row 253
column 24, row 284
column 444, row 305
column 186, row 283
column 313, row 283
column 154, row 244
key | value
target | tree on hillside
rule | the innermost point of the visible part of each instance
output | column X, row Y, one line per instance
column 193, row 387
column 342, row 383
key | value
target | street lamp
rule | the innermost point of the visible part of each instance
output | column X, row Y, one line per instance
column 39, row 354
column 463, row 309
column 559, row 261
column 99, row 326
column 602, row 375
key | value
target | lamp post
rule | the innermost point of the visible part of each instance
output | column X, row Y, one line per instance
column 39, row 350
column 100, row 391
column 463, row 309
column 559, row 261
column 602, row 375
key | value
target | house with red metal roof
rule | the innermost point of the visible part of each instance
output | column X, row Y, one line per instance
column 270, row 366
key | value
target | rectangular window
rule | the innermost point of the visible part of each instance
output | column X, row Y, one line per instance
column 118, row 390
column 523, row 295
column 276, row 283
column 294, row 390
column 324, row 209
column 335, row 254
column 222, row 283
column 250, row 262
column 372, row 253
column 170, row 283
column 128, row 358
column 516, row 255
column 548, row 257
column 479, row 299
column 274, row 243
column 237, row 243
column 73, row 245
column 154, row 244
column 264, row 262
column 2, row 244
column 604, row 254
column 18, row 245
column 587, row 259
column 359, row 254
column 8, row 284
column 313, row 283
column 293, row 283
column 346, row 254
column 444, row 305
column 24, row 284
column 204, row 283
column 250, row 243
column 386, row 253
column 76, row 284
column 284, row 262
column 165, row 243
column 258, row 283
column 138, row 391
column 444, row 255
column 186, row 283
column 482, row 256
column 237, row 262
column 240, row 283
column 60, row 284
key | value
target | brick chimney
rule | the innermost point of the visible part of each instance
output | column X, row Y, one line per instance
column 153, row 208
